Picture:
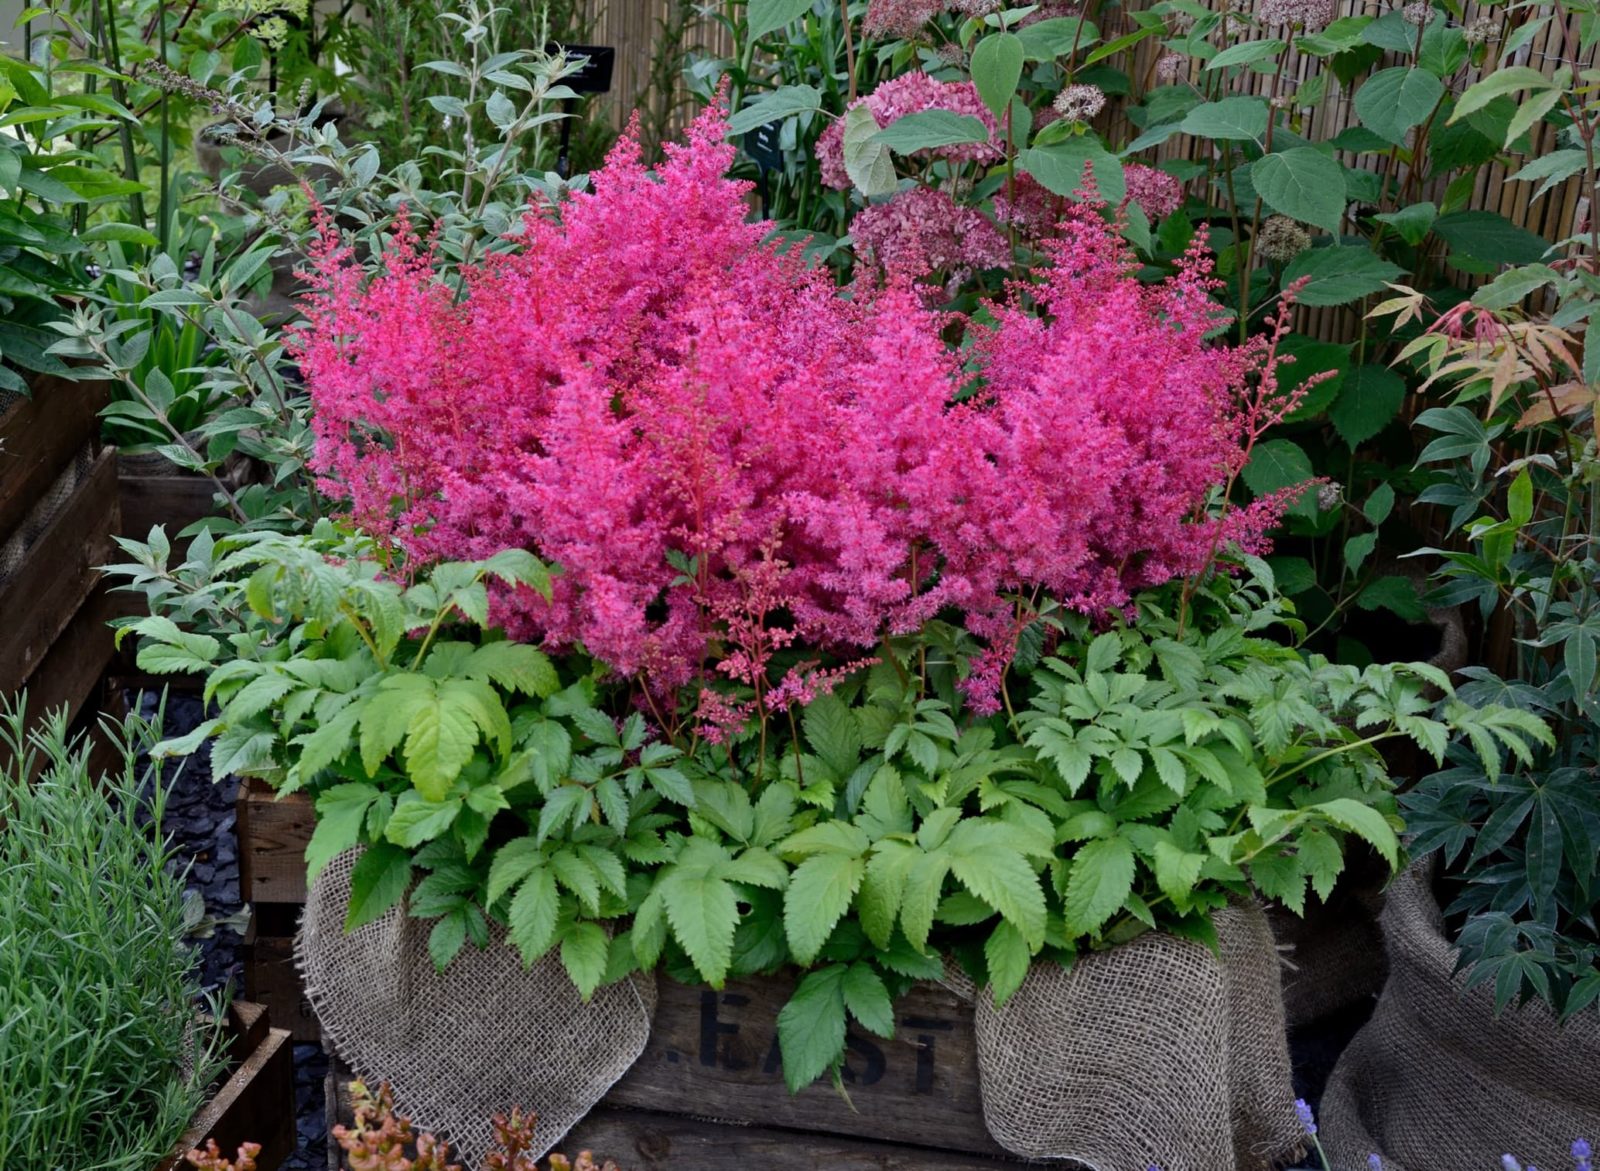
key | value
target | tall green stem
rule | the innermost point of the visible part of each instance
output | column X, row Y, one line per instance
column 130, row 159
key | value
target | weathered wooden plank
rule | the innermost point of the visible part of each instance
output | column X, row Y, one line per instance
column 39, row 601
column 71, row 678
column 254, row 1104
column 174, row 501
column 641, row 1140
column 271, row 977
column 716, row 1053
column 651, row 1140
column 273, row 833
column 39, row 436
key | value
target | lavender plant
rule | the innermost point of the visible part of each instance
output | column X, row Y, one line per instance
column 102, row 1057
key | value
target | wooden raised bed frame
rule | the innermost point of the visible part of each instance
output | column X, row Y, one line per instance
column 53, row 641
column 255, row 1103
column 39, row 436
column 708, row 1093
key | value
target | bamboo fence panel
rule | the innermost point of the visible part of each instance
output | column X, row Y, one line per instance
column 634, row 27
column 1557, row 214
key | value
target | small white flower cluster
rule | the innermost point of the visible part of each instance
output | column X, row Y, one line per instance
column 1080, row 103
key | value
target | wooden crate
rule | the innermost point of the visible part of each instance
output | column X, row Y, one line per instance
column 273, row 833
column 175, row 499
column 60, row 572
column 272, row 978
column 255, row 1103
column 708, row 1092
column 41, row 435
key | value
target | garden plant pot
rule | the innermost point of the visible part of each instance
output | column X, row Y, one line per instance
column 1436, row 1079
column 1192, row 1070
column 254, row 1101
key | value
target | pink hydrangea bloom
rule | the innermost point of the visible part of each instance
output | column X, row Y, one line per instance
column 911, row 93
column 1028, row 205
column 923, row 231
column 899, row 18
column 1157, row 193
column 642, row 384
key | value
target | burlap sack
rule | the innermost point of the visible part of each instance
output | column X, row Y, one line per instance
column 1332, row 957
column 478, row 1039
column 1434, row 1082
column 1154, row 1053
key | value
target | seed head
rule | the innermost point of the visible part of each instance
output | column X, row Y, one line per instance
column 1282, row 239
column 1080, row 103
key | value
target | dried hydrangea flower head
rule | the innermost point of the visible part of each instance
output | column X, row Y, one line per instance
column 1079, row 103
column 1281, row 239
column 1170, row 67
column 1417, row 13
column 1482, row 29
column 1307, row 14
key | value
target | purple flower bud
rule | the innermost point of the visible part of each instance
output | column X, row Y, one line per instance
column 1307, row 1120
column 1374, row 1163
column 1582, row 1152
column 1507, row 1163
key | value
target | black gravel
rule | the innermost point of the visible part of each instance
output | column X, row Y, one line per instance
column 200, row 821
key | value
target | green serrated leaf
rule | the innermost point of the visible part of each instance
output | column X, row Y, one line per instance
column 531, row 919
column 820, row 891
column 378, row 881
column 1099, row 883
column 996, row 68
column 1008, row 957
column 868, row 1000
column 341, row 810
column 1303, row 184
column 703, row 912
column 585, row 951
column 811, row 1027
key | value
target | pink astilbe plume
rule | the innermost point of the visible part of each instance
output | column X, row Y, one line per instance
column 748, row 479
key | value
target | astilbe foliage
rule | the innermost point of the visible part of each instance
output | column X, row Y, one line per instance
column 728, row 458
